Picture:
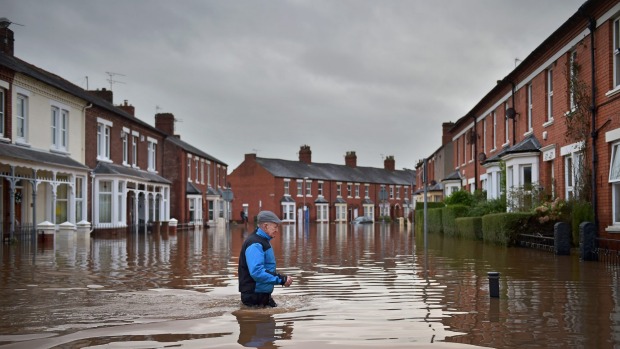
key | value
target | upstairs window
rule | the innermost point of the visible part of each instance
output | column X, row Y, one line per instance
column 549, row 95
column 573, row 75
column 2, row 94
column 60, row 122
column 287, row 184
column 616, row 52
column 530, row 107
column 103, row 139
column 125, row 148
column 152, row 155
column 320, row 188
column 22, row 118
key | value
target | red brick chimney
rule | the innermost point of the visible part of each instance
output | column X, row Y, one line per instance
column 305, row 154
column 103, row 94
column 350, row 159
column 128, row 108
column 7, row 41
column 389, row 163
column 446, row 135
column 165, row 122
column 250, row 157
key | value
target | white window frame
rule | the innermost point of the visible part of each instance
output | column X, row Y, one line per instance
column 357, row 190
column 572, row 157
column 322, row 212
column 369, row 211
column 134, row 150
column 320, row 188
column 572, row 61
column 21, row 114
column 104, row 129
column 616, row 52
column 288, row 212
column 308, row 188
column 125, row 138
column 152, row 154
column 341, row 212
column 349, row 190
column 287, row 185
column 494, row 130
column 484, row 135
column 300, row 188
column 2, row 111
column 506, row 135
column 530, row 108
column 549, row 95
column 614, row 180
column 202, row 172
column 339, row 190
column 189, row 168
column 367, row 191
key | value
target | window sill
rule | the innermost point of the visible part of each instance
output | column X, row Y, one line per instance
column 104, row 159
column 5, row 140
column 613, row 92
column 492, row 150
column 470, row 161
column 506, row 144
column 22, row 143
column 531, row 131
column 613, row 229
column 58, row 151
column 548, row 123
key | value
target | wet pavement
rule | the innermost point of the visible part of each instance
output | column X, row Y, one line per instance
column 356, row 286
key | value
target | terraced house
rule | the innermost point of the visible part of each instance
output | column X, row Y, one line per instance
column 552, row 125
column 321, row 192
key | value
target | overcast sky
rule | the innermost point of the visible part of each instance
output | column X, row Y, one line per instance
column 374, row 77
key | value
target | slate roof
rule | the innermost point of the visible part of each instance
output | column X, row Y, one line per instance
column 39, row 156
column 56, row 81
column 454, row 176
column 190, row 148
column 435, row 187
column 527, row 145
column 191, row 189
column 318, row 171
column 113, row 169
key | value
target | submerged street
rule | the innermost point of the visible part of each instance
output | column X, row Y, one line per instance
column 367, row 285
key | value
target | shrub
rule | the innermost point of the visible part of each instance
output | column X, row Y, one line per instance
column 503, row 228
column 484, row 207
column 580, row 212
column 469, row 227
column 449, row 216
column 461, row 197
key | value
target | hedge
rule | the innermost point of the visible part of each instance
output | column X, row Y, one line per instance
column 469, row 227
column 434, row 224
column 449, row 216
column 503, row 228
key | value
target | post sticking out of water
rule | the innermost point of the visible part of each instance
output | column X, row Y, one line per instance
column 493, row 284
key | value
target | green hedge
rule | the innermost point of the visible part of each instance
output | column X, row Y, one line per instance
column 434, row 221
column 469, row 227
column 502, row 228
column 429, row 205
column 449, row 215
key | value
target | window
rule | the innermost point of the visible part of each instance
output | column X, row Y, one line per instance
column 391, row 192
column 120, row 195
column 1, row 113
column 320, row 188
column 616, row 52
column 506, row 138
column 339, row 190
column 322, row 213
column 572, row 164
column 526, row 177
column 22, row 118
column 529, row 107
column 192, row 209
column 369, row 211
column 398, row 192
column 464, row 150
column 79, row 198
column 189, row 168
column 196, row 162
column 494, row 130
column 208, row 172
column 341, row 212
column 349, row 190
column 103, row 140
column 152, row 155
column 367, row 191
column 300, row 188
column 134, row 150
column 288, row 211
column 287, row 184
column 458, row 153
column 62, row 204
column 573, row 76
column 308, row 188
column 105, row 202
column 549, row 94
column 484, row 135
column 202, row 172
column 125, row 148
column 60, row 122
column 614, row 179
column 357, row 190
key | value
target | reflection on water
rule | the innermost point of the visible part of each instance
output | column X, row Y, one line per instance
column 355, row 285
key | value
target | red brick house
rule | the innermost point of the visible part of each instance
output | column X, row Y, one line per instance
column 328, row 192
column 526, row 125
column 126, row 156
column 198, row 179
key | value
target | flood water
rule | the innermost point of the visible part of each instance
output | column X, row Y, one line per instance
column 356, row 286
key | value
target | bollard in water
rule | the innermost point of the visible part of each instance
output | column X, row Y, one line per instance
column 493, row 284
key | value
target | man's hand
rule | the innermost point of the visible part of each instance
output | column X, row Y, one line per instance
column 289, row 281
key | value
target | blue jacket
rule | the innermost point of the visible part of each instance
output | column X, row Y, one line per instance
column 257, row 264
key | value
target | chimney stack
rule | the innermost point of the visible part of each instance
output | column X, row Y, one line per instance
column 305, row 154
column 128, row 108
column 350, row 159
column 389, row 163
column 446, row 135
column 103, row 94
column 7, row 40
column 165, row 123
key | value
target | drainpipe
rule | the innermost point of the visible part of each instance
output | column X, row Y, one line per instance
column 592, row 28
column 514, row 119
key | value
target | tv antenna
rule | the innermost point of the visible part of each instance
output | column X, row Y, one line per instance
column 111, row 80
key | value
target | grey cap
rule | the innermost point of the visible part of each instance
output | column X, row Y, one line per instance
column 267, row 217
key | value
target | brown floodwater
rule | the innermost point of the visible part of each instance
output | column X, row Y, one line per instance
column 355, row 286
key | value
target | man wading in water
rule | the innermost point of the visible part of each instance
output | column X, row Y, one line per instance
column 257, row 263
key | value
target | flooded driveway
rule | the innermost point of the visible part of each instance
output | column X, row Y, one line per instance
column 356, row 286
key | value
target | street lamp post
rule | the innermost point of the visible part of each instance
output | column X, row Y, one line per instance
column 304, row 194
